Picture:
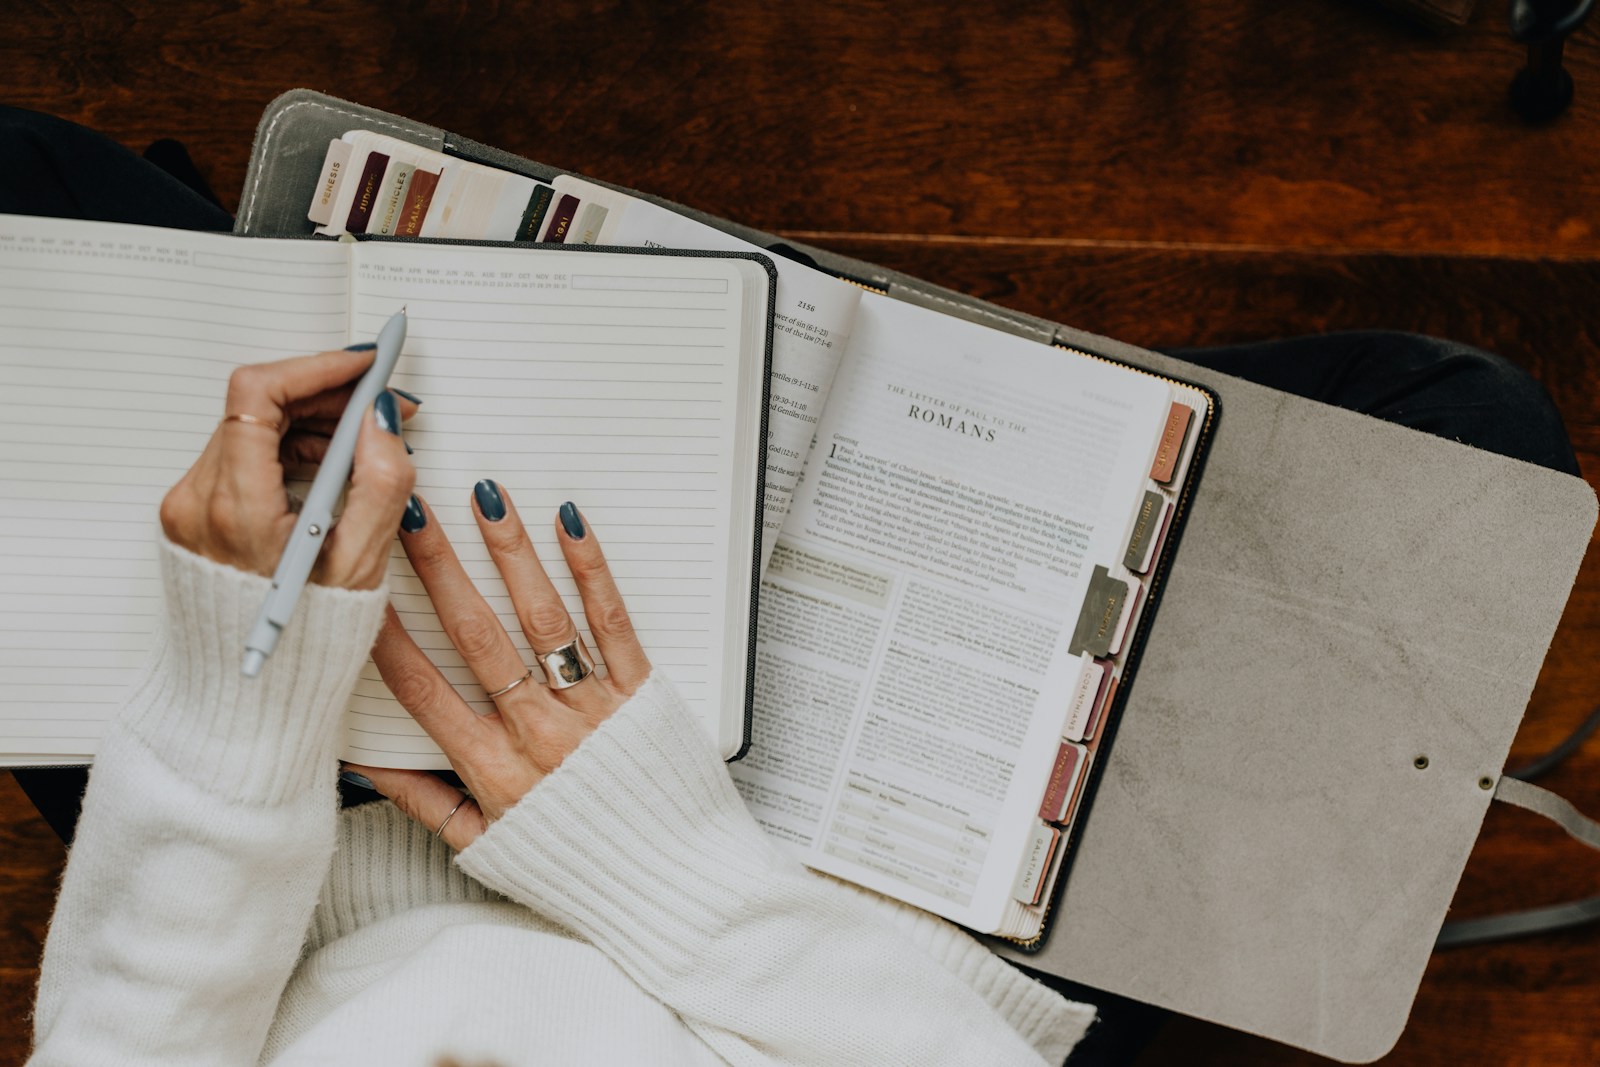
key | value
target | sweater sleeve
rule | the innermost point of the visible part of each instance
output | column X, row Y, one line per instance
column 206, row 831
column 640, row 843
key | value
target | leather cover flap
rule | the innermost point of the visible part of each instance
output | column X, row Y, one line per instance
column 1351, row 598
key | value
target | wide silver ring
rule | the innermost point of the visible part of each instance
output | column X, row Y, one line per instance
column 506, row 689
column 566, row 666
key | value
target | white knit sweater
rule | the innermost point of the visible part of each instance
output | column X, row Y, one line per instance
column 217, row 909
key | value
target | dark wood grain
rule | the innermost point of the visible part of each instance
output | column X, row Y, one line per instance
column 1323, row 123
column 1198, row 173
column 31, row 859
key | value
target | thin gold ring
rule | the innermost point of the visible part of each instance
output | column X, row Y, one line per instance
column 503, row 691
column 252, row 420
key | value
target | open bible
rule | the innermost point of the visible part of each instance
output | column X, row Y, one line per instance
column 966, row 529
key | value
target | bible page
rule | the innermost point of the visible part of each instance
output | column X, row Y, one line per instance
column 630, row 385
column 812, row 317
column 116, row 343
column 912, row 672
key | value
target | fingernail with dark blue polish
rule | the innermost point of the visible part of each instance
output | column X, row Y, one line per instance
column 490, row 502
column 387, row 409
column 415, row 518
column 357, row 779
column 364, row 346
column 409, row 396
column 571, row 521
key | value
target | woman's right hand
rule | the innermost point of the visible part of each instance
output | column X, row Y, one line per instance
column 503, row 755
column 232, row 505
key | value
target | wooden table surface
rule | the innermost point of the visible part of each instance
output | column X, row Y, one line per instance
column 1207, row 172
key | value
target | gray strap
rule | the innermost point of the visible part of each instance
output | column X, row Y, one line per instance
column 1535, row 920
column 1518, row 923
column 1541, row 801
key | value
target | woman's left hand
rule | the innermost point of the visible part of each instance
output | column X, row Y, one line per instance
column 502, row 755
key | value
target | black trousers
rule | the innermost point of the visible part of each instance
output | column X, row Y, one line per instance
column 1441, row 387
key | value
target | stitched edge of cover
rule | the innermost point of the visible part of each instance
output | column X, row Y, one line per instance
column 266, row 142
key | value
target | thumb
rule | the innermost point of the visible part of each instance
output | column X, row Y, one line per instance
column 381, row 478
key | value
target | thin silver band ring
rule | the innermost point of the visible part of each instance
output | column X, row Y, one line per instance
column 506, row 689
column 440, row 831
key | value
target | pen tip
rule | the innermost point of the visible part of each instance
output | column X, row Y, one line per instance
column 254, row 660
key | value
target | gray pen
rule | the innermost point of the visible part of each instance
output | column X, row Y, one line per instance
column 311, row 526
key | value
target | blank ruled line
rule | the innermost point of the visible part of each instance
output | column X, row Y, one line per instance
column 57, row 424
column 121, row 407
column 547, row 397
column 524, row 360
column 103, row 613
column 626, row 305
column 499, row 376
column 122, row 352
column 75, row 482
column 576, row 433
column 133, row 369
column 564, row 344
column 80, row 292
column 585, row 416
column 123, row 276
column 342, row 275
column 80, row 311
column 41, row 630
column 102, row 595
column 586, row 324
column 166, row 337
column 88, row 463
column 210, row 397
column 592, row 473
column 53, row 718
column 417, row 437
column 385, row 733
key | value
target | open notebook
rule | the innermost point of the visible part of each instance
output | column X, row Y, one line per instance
column 632, row 384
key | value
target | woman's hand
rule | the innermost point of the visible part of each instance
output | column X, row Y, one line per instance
column 232, row 506
column 503, row 755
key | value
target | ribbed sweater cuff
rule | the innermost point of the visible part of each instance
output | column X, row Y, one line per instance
column 250, row 740
column 642, row 824
column 640, row 843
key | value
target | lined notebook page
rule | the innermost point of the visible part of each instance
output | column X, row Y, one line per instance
column 613, row 381
column 115, row 347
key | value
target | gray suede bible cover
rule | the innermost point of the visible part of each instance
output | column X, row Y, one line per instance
column 1350, row 600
